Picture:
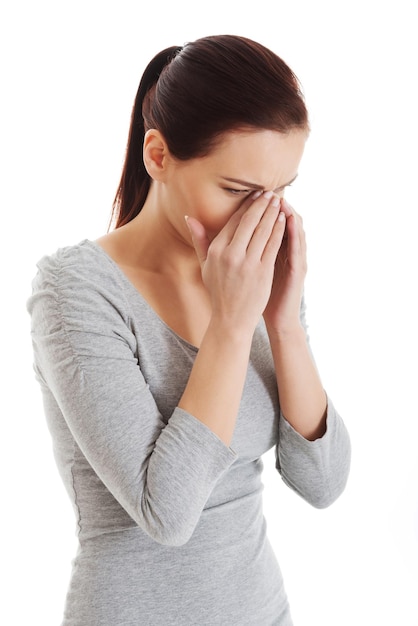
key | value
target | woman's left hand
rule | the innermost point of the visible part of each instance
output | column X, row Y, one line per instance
column 283, row 309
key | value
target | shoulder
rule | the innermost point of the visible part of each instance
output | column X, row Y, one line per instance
column 80, row 278
column 85, row 260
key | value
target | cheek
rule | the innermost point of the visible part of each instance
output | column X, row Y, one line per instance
column 214, row 216
column 213, row 209
column 207, row 203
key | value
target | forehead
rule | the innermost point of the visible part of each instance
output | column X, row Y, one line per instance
column 262, row 156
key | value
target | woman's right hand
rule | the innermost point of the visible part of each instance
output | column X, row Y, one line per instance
column 238, row 264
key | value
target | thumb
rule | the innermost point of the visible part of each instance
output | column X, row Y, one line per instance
column 199, row 237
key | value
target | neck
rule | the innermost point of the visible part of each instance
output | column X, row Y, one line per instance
column 154, row 241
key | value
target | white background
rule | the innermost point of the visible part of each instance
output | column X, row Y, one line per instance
column 69, row 76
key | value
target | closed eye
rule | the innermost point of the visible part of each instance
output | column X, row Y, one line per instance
column 250, row 187
column 236, row 192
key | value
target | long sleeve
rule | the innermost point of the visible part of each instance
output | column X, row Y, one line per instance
column 161, row 472
column 316, row 470
column 169, row 519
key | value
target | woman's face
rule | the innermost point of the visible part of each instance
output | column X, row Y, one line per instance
column 213, row 187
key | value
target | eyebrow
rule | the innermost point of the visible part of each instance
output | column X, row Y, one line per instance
column 245, row 183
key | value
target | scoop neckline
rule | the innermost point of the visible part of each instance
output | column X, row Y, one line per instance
column 98, row 248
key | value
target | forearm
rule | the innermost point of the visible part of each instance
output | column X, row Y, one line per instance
column 303, row 400
column 214, row 389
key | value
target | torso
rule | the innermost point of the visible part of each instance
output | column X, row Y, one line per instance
column 120, row 388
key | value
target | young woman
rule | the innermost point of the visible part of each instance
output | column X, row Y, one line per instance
column 162, row 350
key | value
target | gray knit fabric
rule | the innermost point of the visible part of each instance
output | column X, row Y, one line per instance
column 169, row 519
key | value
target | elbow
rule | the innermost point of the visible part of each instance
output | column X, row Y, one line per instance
column 323, row 500
column 171, row 538
column 331, row 491
column 322, row 503
column 322, row 473
column 164, row 528
column 320, row 492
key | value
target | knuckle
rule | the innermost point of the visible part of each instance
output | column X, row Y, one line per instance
column 247, row 218
column 232, row 259
column 214, row 252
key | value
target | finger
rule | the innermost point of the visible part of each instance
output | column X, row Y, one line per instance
column 293, row 240
column 269, row 230
column 228, row 231
column 275, row 241
column 251, row 222
column 296, row 235
column 287, row 209
column 199, row 238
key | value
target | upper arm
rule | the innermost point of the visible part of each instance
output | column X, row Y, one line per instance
column 85, row 351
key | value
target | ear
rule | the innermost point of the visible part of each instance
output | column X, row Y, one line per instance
column 156, row 154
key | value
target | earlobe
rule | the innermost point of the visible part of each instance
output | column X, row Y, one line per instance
column 155, row 154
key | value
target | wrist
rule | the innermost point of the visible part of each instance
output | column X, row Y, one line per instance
column 286, row 332
column 225, row 332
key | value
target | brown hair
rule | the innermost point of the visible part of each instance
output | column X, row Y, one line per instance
column 194, row 94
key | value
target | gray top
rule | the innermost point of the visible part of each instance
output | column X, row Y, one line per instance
column 169, row 519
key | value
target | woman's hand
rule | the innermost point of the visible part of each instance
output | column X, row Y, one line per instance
column 239, row 264
column 252, row 268
column 283, row 309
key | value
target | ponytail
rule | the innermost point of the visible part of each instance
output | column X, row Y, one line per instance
column 135, row 181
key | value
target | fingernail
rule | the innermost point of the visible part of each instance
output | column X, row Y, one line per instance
column 257, row 194
column 276, row 201
column 268, row 195
column 281, row 216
